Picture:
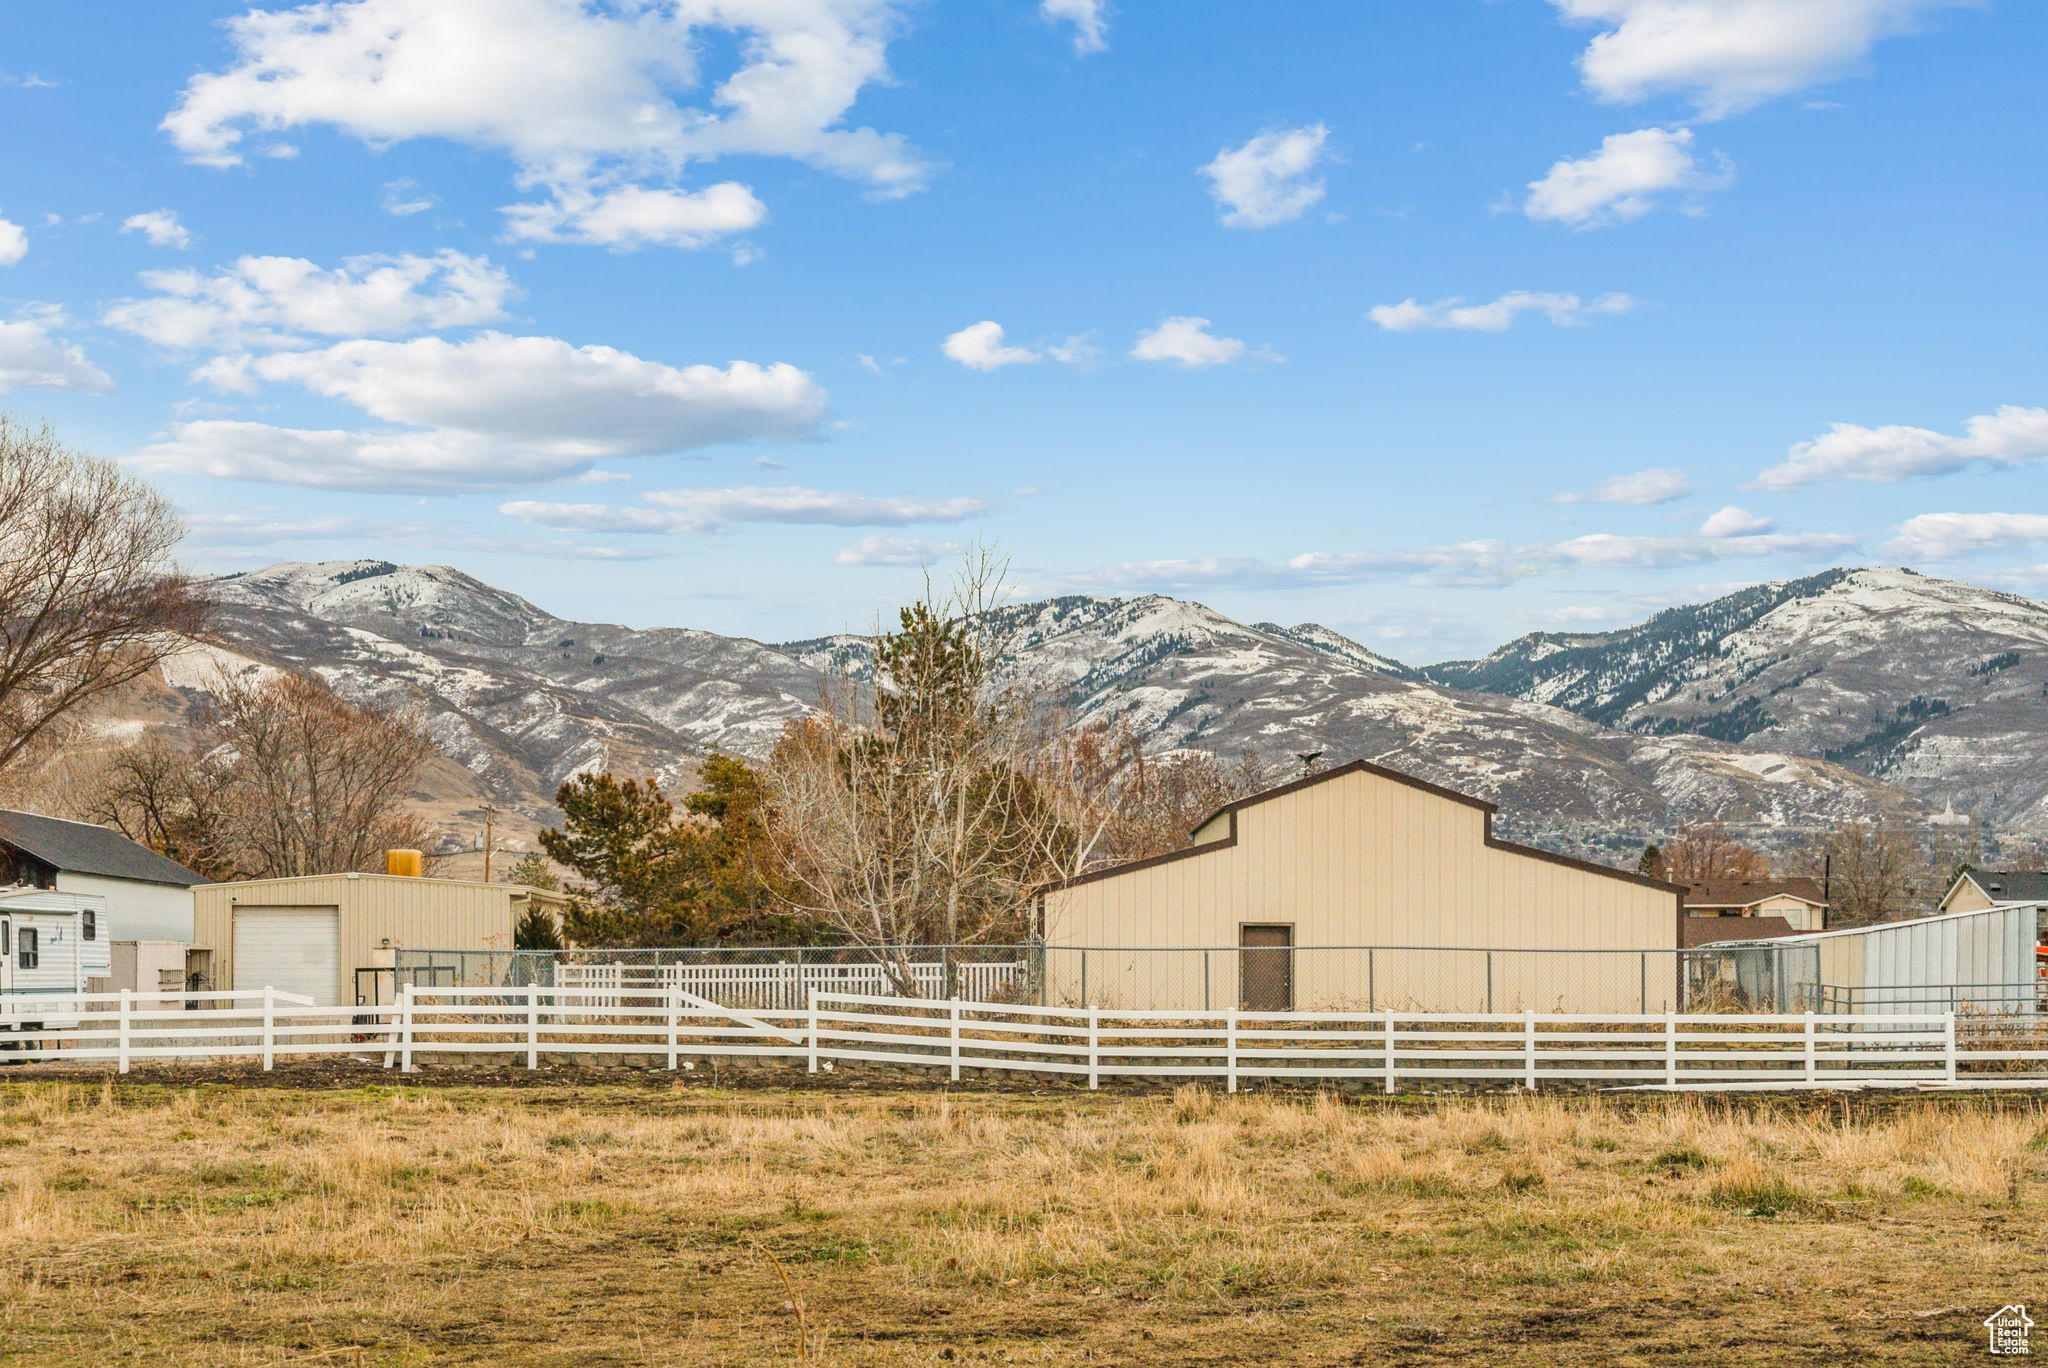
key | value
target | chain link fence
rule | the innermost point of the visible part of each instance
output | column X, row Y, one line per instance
column 1281, row 978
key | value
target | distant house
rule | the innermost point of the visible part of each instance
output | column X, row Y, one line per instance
column 1980, row 888
column 148, row 897
column 1800, row 903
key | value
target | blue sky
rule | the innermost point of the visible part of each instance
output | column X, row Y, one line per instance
column 1434, row 322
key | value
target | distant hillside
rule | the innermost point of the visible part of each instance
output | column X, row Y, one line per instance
column 1938, row 687
column 520, row 699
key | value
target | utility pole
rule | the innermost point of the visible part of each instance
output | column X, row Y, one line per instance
column 489, row 813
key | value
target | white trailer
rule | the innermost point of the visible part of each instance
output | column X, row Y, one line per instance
column 51, row 945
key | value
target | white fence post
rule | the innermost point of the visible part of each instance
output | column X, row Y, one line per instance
column 1094, row 1047
column 121, row 1032
column 1671, row 1049
column 405, row 1030
column 1812, row 1064
column 1390, row 1049
column 675, row 1005
column 533, row 1025
column 1948, row 1043
column 1230, row 1050
column 1529, row 1048
column 269, row 1026
column 811, row 1027
column 953, row 1023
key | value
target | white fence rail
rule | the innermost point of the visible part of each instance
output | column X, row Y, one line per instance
column 674, row 1027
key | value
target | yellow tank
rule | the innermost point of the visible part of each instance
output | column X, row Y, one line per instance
column 409, row 864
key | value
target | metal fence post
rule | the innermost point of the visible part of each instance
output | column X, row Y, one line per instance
column 1529, row 1048
column 1094, row 1047
column 1390, row 1049
column 1230, row 1050
column 953, row 1035
column 1812, row 1064
column 1205, row 980
column 675, row 1004
column 1643, row 970
column 1084, row 976
column 1489, row 983
column 811, row 1028
column 1671, row 1049
column 269, row 1026
column 533, row 1025
column 121, row 1038
column 1370, row 967
column 405, row 1030
column 1948, row 1044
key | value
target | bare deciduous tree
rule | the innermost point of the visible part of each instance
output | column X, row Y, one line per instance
column 907, row 811
column 1706, row 853
column 286, row 779
column 1874, row 873
column 315, row 784
column 89, row 598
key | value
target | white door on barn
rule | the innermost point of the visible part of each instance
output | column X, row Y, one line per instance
column 291, row 949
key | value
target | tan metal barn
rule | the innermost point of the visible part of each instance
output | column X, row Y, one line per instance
column 1362, row 887
column 311, row 934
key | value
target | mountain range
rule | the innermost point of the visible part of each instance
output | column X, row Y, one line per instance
column 1778, row 709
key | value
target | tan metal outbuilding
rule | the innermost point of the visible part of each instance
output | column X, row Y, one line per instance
column 312, row 933
column 1362, row 858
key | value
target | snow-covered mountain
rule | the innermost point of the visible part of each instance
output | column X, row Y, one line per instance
column 522, row 699
column 1938, row 687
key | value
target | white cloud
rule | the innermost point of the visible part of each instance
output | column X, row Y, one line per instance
column 274, row 301
column 1090, row 19
column 1641, row 488
column 1735, row 522
column 1564, row 310
column 13, row 243
column 406, row 196
column 692, row 511
column 1479, row 564
column 1624, row 180
column 636, row 216
column 597, row 400
column 264, row 528
column 31, row 355
column 161, row 227
column 875, row 549
column 587, row 99
column 490, row 412
column 1730, row 55
column 979, row 346
column 1953, row 536
column 1269, row 180
column 1187, row 342
column 2012, row 436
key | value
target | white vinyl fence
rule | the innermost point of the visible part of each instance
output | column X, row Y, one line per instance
column 773, row 987
column 675, row 1027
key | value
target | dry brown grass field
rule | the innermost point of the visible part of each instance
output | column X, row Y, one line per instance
column 353, row 1220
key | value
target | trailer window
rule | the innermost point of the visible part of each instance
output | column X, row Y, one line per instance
column 91, row 921
column 26, row 954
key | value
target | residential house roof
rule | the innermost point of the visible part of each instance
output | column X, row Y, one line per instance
column 1697, row 931
column 1750, row 892
column 82, row 848
column 2011, row 885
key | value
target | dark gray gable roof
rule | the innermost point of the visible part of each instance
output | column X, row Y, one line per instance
column 2012, row 885
column 82, row 848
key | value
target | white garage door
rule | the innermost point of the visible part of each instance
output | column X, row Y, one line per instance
column 292, row 949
